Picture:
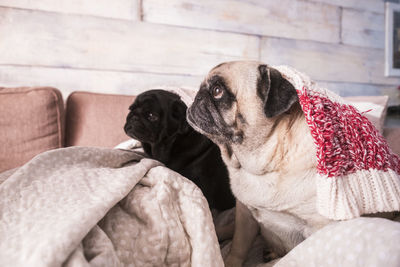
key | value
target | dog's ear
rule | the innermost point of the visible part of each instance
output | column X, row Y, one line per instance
column 178, row 115
column 277, row 93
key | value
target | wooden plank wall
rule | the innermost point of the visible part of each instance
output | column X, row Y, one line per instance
column 128, row 46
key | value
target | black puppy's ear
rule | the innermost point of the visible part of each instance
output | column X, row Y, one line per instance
column 277, row 93
column 178, row 113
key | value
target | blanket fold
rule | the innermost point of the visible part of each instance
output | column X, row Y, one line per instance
column 103, row 207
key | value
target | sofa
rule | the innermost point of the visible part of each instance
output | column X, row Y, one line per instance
column 46, row 228
column 34, row 120
column 37, row 119
column 91, row 206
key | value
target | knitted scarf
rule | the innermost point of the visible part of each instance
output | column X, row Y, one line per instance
column 357, row 172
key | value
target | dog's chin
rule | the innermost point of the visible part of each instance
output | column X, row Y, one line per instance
column 192, row 122
column 141, row 136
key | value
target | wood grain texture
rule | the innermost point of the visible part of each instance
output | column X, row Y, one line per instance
column 370, row 5
column 288, row 18
column 328, row 62
column 120, row 9
column 363, row 28
column 69, row 80
column 356, row 89
column 361, row 89
column 57, row 40
column 100, row 45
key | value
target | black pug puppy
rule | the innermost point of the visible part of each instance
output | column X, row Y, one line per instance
column 157, row 118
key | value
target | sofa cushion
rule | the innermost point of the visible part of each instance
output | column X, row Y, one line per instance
column 31, row 121
column 392, row 135
column 96, row 119
column 373, row 107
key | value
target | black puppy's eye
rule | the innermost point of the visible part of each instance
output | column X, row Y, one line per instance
column 152, row 117
column 217, row 92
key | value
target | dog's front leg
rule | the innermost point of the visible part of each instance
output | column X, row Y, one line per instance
column 246, row 230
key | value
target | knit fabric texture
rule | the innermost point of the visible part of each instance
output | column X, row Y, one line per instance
column 357, row 172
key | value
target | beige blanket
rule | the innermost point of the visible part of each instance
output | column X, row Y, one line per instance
column 103, row 207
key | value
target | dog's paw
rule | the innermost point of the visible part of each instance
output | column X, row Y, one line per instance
column 269, row 255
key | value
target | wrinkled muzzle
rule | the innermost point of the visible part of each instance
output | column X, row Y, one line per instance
column 204, row 117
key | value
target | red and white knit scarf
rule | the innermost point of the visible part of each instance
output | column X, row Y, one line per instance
column 357, row 172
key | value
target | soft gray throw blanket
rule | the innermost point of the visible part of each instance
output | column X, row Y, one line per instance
column 103, row 207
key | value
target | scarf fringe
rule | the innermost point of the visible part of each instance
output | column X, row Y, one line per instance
column 363, row 192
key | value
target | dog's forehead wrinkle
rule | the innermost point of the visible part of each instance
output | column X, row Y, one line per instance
column 240, row 117
column 216, row 79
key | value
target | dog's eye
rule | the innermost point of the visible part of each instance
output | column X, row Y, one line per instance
column 152, row 117
column 217, row 92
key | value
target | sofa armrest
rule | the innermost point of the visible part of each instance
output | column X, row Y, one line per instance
column 31, row 122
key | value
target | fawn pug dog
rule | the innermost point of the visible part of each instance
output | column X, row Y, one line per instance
column 253, row 113
column 254, row 116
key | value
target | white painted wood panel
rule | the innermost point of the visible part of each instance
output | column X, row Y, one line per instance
column 327, row 62
column 58, row 40
column 69, row 80
column 284, row 18
column 356, row 89
column 120, row 9
column 370, row 5
column 363, row 28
